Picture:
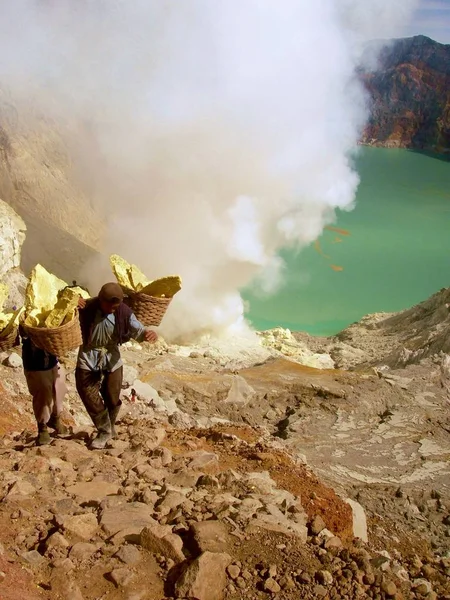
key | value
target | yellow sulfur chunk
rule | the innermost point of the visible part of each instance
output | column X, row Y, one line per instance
column 166, row 287
column 128, row 276
column 120, row 269
column 83, row 293
column 35, row 318
column 4, row 291
column 137, row 278
column 9, row 320
column 131, row 277
column 70, row 315
column 4, row 320
column 42, row 290
column 67, row 303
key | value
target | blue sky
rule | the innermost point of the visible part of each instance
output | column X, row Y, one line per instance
column 432, row 18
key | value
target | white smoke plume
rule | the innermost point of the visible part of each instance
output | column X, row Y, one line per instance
column 209, row 133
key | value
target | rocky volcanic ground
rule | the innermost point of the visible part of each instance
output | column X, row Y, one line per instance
column 240, row 473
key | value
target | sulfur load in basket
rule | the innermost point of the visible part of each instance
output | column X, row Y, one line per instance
column 149, row 300
column 51, row 316
column 8, row 321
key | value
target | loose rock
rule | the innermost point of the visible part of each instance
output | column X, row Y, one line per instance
column 129, row 555
column 317, row 525
column 389, row 587
column 233, row 571
column 270, row 585
column 14, row 361
column 81, row 527
column 204, row 578
column 121, row 577
column 159, row 539
column 210, row 536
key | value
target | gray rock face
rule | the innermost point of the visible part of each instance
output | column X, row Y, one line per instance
column 12, row 236
column 17, row 283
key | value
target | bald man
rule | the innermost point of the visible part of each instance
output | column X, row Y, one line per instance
column 106, row 323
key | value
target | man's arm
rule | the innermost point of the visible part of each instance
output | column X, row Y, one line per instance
column 139, row 332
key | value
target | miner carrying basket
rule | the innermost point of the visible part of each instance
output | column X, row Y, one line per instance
column 106, row 323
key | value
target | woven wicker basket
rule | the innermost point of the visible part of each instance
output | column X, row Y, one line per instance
column 56, row 340
column 9, row 340
column 149, row 310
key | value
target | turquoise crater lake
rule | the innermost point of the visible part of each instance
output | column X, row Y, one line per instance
column 391, row 252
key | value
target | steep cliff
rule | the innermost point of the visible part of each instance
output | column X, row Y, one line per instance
column 409, row 96
column 37, row 179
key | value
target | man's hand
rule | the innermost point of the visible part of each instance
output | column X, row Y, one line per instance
column 151, row 336
column 81, row 302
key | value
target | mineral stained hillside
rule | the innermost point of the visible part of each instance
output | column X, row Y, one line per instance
column 409, row 96
column 281, row 467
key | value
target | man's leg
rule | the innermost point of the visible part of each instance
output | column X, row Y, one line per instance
column 59, row 393
column 110, row 391
column 40, row 386
column 88, row 387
